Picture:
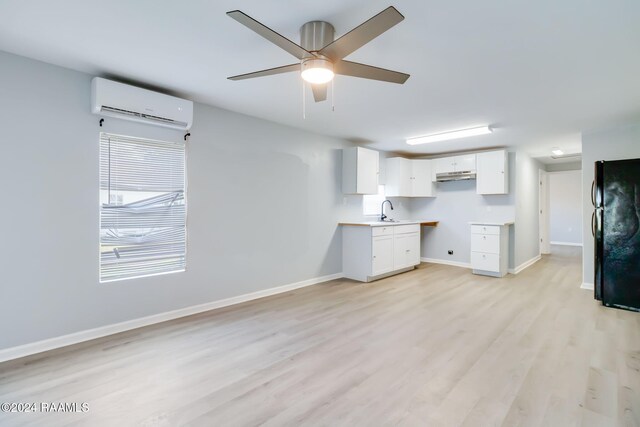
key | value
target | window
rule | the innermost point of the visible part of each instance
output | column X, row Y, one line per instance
column 371, row 203
column 142, row 207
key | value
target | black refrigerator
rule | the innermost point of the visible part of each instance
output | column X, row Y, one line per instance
column 615, row 225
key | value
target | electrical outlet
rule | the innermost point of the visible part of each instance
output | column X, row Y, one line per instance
column 450, row 252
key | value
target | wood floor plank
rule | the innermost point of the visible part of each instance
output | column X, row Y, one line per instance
column 437, row 346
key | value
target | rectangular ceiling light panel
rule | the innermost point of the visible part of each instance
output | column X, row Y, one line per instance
column 463, row 133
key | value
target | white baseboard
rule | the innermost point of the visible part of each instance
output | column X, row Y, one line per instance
column 102, row 331
column 525, row 265
column 587, row 286
column 566, row 244
column 446, row 262
column 516, row 270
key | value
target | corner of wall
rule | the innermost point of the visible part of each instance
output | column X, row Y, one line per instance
column 526, row 229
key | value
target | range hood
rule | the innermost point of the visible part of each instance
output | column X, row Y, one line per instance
column 455, row 176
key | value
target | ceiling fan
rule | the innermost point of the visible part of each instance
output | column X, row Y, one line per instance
column 320, row 56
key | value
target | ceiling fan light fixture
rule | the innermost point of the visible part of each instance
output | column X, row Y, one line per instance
column 455, row 134
column 317, row 70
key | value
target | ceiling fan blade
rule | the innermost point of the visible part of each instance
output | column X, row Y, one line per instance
column 266, row 32
column 354, row 69
column 319, row 92
column 267, row 72
column 362, row 34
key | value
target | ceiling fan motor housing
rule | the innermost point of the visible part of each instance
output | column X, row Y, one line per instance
column 315, row 35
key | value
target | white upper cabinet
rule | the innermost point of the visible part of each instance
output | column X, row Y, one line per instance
column 409, row 178
column 397, row 177
column 360, row 170
column 462, row 163
column 445, row 165
column 492, row 172
column 422, row 184
column 465, row 162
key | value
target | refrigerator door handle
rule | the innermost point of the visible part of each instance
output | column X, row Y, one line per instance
column 593, row 224
column 593, row 193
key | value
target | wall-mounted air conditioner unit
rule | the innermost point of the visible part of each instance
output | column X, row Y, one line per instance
column 127, row 102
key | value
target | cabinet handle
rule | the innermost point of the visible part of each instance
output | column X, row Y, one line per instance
column 484, row 237
column 408, row 250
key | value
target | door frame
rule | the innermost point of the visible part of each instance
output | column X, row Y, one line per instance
column 543, row 212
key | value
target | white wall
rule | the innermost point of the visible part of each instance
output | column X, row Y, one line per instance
column 453, row 233
column 608, row 144
column 527, row 240
column 263, row 201
column 455, row 206
column 565, row 207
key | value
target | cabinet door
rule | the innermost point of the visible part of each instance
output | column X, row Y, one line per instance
column 445, row 165
column 398, row 177
column 381, row 255
column 492, row 177
column 399, row 248
column 466, row 162
column 421, row 182
column 406, row 250
column 485, row 262
column 367, row 166
column 413, row 249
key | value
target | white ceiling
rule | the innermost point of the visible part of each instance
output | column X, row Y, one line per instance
column 540, row 72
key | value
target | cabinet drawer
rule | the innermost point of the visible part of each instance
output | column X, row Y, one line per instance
column 382, row 231
column 489, row 243
column 409, row 228
column 485, row 229
column 484, row 261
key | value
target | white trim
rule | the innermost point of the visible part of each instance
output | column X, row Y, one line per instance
column 587, row 286
column 102, row 331
column 525, row 264
column 544, row 200
column 566, row 244
column 446, row 262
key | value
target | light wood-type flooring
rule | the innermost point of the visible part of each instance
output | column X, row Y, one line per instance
column 433, row 347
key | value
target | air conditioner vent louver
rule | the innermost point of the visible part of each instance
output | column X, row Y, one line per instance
column 133, row 103
column 141, row 115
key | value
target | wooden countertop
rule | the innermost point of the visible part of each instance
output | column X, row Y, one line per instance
column 491, row 223
column 423, row 223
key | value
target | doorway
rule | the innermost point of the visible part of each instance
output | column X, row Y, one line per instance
column 560, row 209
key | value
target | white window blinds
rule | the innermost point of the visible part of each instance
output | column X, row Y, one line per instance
column 142, row 207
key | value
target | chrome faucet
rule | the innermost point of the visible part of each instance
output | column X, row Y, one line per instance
column 382, row 215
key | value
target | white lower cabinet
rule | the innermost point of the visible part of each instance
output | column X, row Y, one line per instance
column 490, row 249
column 381, row 255
column 404, row 250
column 370, row 253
